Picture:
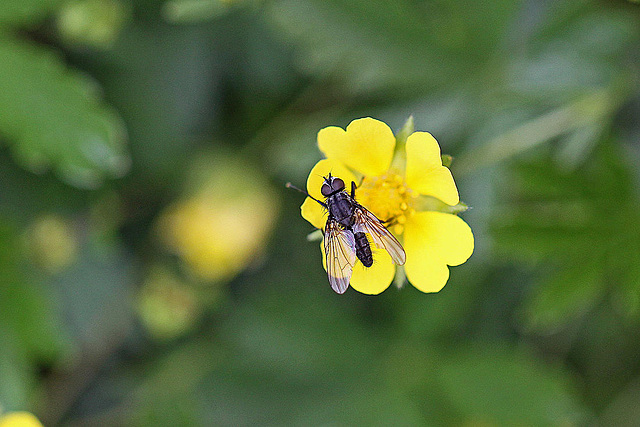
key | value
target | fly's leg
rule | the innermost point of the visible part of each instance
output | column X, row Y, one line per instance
column 354, row 186
column 389, row 221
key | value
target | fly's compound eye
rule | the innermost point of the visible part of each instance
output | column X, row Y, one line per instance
column 337, row 184
column 326, row 190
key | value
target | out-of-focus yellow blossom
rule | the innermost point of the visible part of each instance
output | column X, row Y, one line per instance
column 167, row 306
column 52, row 242
column 223, row 222
column 92, row 22
column 19, row 419
column 401, row 180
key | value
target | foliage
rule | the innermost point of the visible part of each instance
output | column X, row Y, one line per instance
column 112, row 113
column 577, row 222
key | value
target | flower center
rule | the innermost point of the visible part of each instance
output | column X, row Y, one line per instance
column 389, row 198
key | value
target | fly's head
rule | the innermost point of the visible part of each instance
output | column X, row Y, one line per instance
column 332, row 185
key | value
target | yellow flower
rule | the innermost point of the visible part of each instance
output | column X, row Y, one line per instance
column 95, row 23
column 223, row 223
column 19, row 419
column 52, row 242
column 401, row 180
column 167, row 306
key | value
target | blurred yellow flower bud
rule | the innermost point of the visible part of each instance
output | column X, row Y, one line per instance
column 52, row 243
column 223, row 222
column 167, row 307
column 95, row 23
column 19, row 419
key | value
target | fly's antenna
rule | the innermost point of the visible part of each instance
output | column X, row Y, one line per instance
column 290, row 185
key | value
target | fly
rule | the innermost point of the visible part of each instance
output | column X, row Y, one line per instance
column 345, row 235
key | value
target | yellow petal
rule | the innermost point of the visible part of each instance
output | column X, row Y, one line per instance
column 322, row 169
column 19, row 419
column 425, row 272
column 433, row 240
column 370, row 280
column 366, row 146
column 375, row 279
column 314, row 213
column 425, row 173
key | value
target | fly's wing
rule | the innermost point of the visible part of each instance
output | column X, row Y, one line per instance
column 367, row 222
column 340, row 253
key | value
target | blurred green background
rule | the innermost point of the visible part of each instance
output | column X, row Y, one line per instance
column 155, row 271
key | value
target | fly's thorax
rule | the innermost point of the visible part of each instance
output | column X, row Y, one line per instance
column 341, row 207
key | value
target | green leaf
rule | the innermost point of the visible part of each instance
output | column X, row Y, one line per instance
column 581, row 225
column 498, row 385
column 16, row 374
column 564, row 296
column 27, row 312
column 402, row 45
column 187, row 11
column 52, row 117
column 23, row 12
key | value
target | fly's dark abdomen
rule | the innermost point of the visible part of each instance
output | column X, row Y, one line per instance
column 363, row 249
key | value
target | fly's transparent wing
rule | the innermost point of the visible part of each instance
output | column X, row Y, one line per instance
column 367, row 222
column 340, row 253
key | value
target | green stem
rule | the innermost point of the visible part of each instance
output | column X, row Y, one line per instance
column 591, row 108
column 400, row 278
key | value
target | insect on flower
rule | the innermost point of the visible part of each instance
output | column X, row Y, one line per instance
column 345, row 234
